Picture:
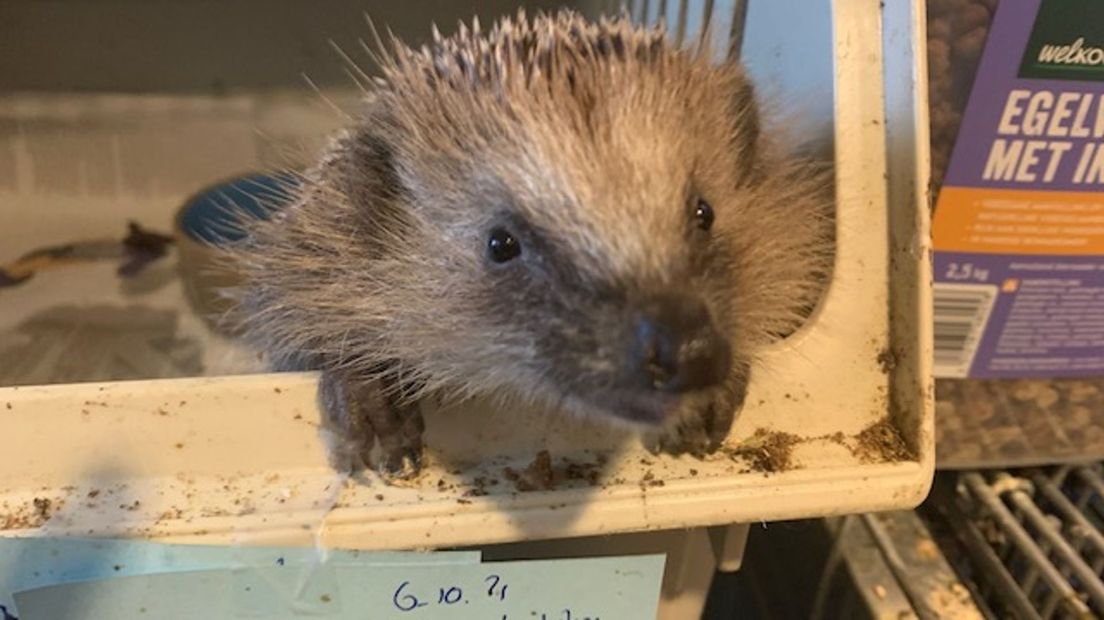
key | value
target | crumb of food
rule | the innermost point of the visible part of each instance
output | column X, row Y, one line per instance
column 93, row 493
column 881, row 442
column 42, row 507
column 379, row 497
column 537, row 476
column 479, row 488
column 325, row 598
column 461, row 500
column 767, row 451
column 587, row 472
column 540, row 470
column 887, row 360
column 179, row 445
column 693, row 472
column 30, row 515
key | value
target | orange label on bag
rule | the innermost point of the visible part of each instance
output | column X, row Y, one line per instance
column 1017, row 221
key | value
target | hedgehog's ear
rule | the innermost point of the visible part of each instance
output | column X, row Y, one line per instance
column 745, row 137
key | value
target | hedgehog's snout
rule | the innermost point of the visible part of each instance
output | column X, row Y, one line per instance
column 675, row 346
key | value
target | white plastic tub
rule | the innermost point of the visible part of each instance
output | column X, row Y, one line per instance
column 236, row 457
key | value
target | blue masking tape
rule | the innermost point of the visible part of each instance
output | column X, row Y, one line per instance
column 27, row 563
column 608, row 588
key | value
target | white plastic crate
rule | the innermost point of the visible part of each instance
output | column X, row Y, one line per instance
column 236, row 458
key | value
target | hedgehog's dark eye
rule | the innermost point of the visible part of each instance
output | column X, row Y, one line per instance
column 503, row 246
column 703, row 215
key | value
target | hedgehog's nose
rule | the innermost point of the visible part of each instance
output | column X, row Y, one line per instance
column 676, row 348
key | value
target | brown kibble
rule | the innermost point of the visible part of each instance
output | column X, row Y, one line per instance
column 971, row 17
column 1046, row 397
column 969, row 46
column 939, row 30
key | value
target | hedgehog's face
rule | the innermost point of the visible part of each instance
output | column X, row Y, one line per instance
column 606, row 278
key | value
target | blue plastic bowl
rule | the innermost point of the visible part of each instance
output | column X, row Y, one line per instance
column 210, row 215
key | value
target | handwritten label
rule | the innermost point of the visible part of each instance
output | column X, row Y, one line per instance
column 27, row 563
column 527, row 590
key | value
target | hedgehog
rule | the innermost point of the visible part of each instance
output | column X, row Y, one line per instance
column 555, row 212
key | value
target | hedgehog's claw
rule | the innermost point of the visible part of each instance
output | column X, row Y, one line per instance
column 702, row 430
column 402, row 464
column 689, row 436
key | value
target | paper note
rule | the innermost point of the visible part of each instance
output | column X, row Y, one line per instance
column 35, row 562
column 614, row 588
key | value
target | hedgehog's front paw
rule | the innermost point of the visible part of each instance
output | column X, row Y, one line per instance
column 699, row 432
column 704, row 425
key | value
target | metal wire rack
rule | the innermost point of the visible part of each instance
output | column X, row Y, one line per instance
column 1033, row 538
column 722, row 21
